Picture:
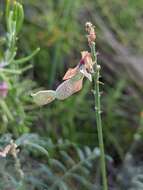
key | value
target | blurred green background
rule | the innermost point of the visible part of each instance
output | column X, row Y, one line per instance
column 57, row 27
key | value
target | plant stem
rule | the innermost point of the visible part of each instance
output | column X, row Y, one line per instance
column 98, row 117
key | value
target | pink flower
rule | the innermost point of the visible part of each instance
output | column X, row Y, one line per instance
column 85, row 66
column 3, row 89
column 73, row 81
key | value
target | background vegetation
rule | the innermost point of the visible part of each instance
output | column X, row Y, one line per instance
column 58, row 142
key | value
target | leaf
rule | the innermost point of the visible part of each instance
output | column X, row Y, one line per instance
column 38, row 147
column 82, row 180
column 80, row 154
column 58, row 164
column 46, row 170
column 22, row 140
column 18, row 15
column 88, row 151
column 25, row 59
column 84, row 170
column 63, row 186
column 67, row 158
column 31, row 140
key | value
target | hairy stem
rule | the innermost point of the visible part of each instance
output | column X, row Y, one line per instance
column 98, row 117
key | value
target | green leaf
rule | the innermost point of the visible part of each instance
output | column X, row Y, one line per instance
column 83, row 181
column 7, row 10
column 25, row 59
column 63, row 186
column 58, row 164
column 38, row 147
column 67, row 158
column 18, row 15
column 80, row 154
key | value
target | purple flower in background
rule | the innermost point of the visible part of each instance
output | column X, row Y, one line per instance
column 3, row 64
column 3, row 89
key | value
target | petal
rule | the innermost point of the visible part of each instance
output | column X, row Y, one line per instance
column 85, row 73
column 86, row 56
column 84, row 53
column 67, row 88
column 44, row 97
column 3, row 89
column 78, row 85
column 70, row 73
column 64, row 90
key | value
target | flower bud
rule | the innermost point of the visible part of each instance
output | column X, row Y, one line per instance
column 90, row 29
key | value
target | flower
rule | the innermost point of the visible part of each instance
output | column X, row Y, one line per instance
column 68, row 87
column 73, row 81
column 3, row 64
column 86, row 57
column 85, row 66
column 3, row 89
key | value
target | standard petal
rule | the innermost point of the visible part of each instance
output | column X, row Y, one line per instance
column 86, row 56
column 70, row 73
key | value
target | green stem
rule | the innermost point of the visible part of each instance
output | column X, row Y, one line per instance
column 98, row 117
